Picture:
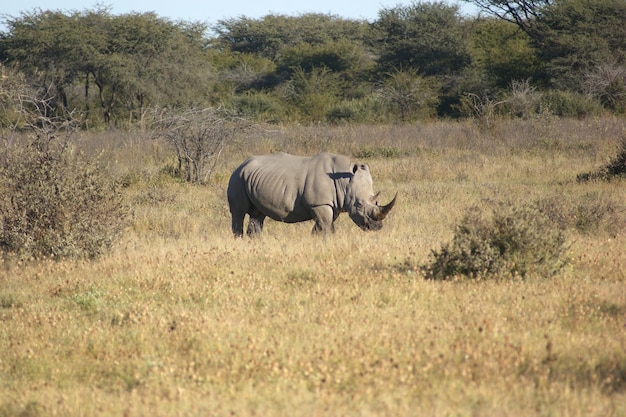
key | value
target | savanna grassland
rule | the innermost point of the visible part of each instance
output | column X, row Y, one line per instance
column 181, row 319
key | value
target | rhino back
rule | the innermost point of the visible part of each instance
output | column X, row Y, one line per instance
column 285, row 187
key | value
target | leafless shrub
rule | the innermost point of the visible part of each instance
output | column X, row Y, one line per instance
column 608, row 84
column 483, row 109
column 198, row 136
column 524, row 100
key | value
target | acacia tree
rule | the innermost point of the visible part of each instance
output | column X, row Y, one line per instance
column 268, row 36
column 134, row 60
column 520, row 12
column 572, row 38
column 502, row 51
column 53, row 49
column 576, row 37
column 150, row 61
column 428, row 37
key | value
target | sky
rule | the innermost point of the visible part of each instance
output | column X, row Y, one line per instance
column 214, row 10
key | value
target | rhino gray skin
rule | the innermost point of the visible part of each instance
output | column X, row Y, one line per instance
column 292, row 189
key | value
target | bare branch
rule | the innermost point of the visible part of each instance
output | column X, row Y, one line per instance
column 520, row 12
column 198, row 136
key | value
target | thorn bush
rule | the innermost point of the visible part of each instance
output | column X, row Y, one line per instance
column 511, row 241
column 56, row 203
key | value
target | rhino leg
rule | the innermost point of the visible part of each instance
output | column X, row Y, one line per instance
column 237, row 213
column 324, row 220
column 238, row 203
column 255, row 224
column 237, row 223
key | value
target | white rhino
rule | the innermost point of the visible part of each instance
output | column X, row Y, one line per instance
column 292, row 189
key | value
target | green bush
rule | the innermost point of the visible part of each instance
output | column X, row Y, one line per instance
column 512, row 241
column 55, row 203
column 259, row 106
column 569, row 104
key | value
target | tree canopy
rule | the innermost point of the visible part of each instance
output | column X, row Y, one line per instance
column 428, row 37
column 132, row 60
column 320, row 67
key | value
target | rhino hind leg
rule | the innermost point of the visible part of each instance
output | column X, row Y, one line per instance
column 237, row 224
column 255, row 224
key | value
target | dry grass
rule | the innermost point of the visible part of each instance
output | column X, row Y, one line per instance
column 182, row 319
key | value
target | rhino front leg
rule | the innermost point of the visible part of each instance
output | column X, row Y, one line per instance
column 324, row 220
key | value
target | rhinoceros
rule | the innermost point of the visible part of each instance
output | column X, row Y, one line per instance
column 293, row 189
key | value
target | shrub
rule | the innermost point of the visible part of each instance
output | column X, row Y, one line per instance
column 512, row 241
column 358, row 110
column 54, row 202
column 198, row 136
column 523, row 101
column 345, row 111
column 615, row 168
column 259, row 106
column 590, row 213
column 409, row 95
column 569, row 104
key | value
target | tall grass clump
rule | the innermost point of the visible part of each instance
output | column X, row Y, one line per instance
column 56, row 203
column 511, row 241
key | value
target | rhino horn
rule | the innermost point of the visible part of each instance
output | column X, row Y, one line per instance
column 380, row 212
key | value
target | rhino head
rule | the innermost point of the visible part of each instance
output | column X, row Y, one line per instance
column 361, row 203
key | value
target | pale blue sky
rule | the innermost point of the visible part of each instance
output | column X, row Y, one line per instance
column 213, row 10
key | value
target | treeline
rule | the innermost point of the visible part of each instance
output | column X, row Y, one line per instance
column 423, row 60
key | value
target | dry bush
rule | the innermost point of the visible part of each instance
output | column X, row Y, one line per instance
column 53, row 200
column 524, row 99
column 614, row 169
column 513, row 241
column 608, row 84
column 198, row 137
column 588, row 213
column 56, row 203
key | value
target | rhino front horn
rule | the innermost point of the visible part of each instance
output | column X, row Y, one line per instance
column 381, row 211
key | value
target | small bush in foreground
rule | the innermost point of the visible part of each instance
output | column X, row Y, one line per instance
column 55, row 203
column 511, row 241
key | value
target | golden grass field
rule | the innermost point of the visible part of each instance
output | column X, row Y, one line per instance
column 181, row 319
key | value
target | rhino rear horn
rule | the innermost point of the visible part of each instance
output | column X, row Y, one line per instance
column 381, row 211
